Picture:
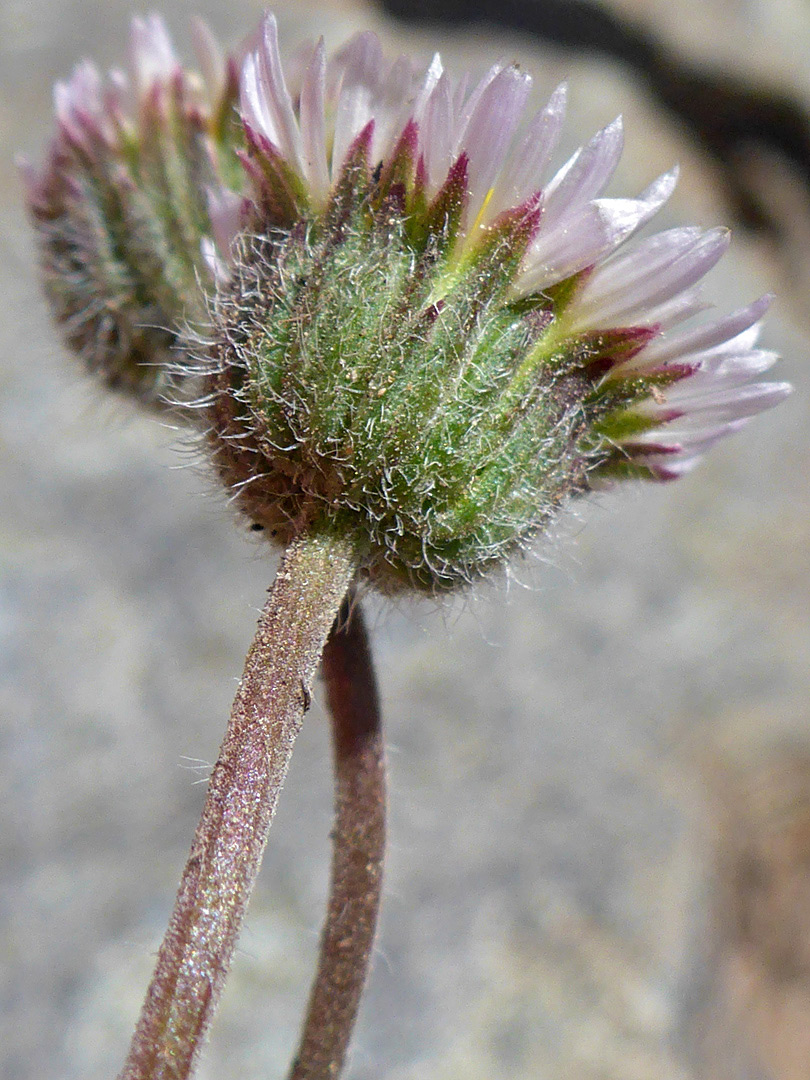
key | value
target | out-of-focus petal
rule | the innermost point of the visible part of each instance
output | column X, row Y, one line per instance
column 152, row 54
column 210, row 57
column 363, row 61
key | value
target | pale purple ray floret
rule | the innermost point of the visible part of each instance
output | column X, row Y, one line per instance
column 719, row 395
column 152, row 55
column 88, row 106
column 654, row 284
column 79, row 102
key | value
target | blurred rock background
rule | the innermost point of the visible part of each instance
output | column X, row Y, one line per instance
column 600, row 784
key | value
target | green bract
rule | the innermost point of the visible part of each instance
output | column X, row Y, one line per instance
column 369, row 378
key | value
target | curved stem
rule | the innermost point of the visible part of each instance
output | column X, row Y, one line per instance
column 272, row 698
column 357, row 854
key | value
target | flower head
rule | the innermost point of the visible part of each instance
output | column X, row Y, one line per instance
column 421, row 340
column 415, row 336
column 121, row 204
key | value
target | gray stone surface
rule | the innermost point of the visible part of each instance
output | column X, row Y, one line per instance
column 549, row 887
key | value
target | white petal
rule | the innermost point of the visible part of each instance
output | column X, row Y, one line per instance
column 706, row 381
column 363, row 63
column 586, row 174
column 209, row 56
column 710, row 335
column 426, row 88
column 724, row 361
column 586, row 234
column 677, row 309
column 313, row 126
column 672, row 468
column 460, row 96
column 724, row 405
column 489, row 132
column 557, row 253
column 675, row 265
column 466, row 106
column 435, row 134
column 626, row 216
column 218, row 267
column 691, row 441
column 152, row 56
column 615, row 282
column 78, row 99
column 277, row 98
column 392, row 107
column 253, row 101
column 521, row 177
column 225, row 210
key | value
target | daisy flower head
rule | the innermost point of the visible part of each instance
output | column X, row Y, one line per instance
column 121, row 203
column 413, row 332
column 422, row 339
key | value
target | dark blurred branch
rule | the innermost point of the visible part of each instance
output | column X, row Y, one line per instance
column 358, row 842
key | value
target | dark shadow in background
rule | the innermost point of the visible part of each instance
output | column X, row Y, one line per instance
column 728, row 116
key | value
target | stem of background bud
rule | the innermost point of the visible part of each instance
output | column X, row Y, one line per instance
column 315, row 573
column 357, row 854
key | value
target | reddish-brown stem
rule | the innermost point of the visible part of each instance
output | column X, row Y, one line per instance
column 242, row 794
column 357, row 854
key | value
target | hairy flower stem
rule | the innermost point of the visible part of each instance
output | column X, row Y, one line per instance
column 273, row 696
column 357, row 854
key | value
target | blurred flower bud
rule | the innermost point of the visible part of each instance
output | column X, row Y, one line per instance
column 121, row 206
